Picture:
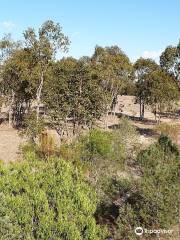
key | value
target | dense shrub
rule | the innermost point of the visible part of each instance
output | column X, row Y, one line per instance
column 159, row 156
column 46, row 200
column 151, row 206
column 33, row 128
column 151, row 201
column 166, row 144
column 104, row 154
column 155, row 203
column 98, row 145
column 97, row 149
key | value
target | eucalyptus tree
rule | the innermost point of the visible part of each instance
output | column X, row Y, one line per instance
column 142, row 67
column 7, row 48
column 16, row 75
column 57, row 97
column 74, row 94
column 170, row 62
column 113, row 68
column 161, row 91
column 88, row 97
column 44, row 47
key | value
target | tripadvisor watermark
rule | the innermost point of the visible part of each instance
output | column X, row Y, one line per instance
column 140, row 231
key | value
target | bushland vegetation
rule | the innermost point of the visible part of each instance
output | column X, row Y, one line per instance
column 34, row 82
column 102, row 184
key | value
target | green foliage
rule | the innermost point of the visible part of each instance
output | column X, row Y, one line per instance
column 155, row 202
column 103, row 154
column 100, row 148
column 150, row 201
column 113, row 69
column 7, row 47
column 32, row 128
column 116, row 145
column 142, row 68
column 166, row 144
column 72, row 92
column 163, row 155
column 154, row 86
column 46, row 200
column 161, row 90
column 151, row 206
column 26, row 67
column 169, row 60
column 97, row 143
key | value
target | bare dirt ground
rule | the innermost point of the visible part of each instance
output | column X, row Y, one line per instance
column 131, row 109
column 126, row 106
column 10, row 142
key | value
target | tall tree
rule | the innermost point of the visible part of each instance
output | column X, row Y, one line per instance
column 113, row 68
column 43, row 47
column 161, row 91
column 57, row 97
column 170, row 62
column 74, row 94
column 16, row 74
column 142, row 67
column 7, row 48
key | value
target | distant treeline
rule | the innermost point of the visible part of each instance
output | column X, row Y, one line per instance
column 79, row 89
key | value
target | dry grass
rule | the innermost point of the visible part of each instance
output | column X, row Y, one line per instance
column 10, row 142
column 171, row 130
column 46, row 144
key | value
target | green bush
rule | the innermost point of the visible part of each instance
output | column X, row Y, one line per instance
column 159, row 156
column 151, row 201
column 126, row 137
column 98, row 143
column 94, row 148
column 150, row 206
column 154, row 203
column 33, row 128
column 99, row 146
column 166, row 144
column 46, row 200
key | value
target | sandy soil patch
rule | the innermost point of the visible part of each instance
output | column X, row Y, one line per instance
column 10, row 142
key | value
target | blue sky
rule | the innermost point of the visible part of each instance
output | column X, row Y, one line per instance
column 138, row 27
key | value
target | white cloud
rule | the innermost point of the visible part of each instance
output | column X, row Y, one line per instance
column 151, row 54
column 7, row 24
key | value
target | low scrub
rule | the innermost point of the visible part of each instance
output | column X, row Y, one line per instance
column 151, row 201
column 46, row 200
column 171, row 130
